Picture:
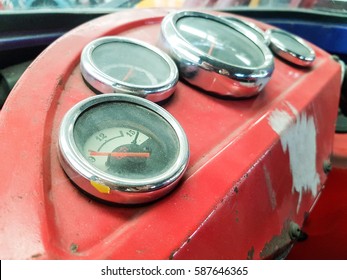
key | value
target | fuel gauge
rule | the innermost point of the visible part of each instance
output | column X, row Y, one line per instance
column 124, row 65
column 122, row 148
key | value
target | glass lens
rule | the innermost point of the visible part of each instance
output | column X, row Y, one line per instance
column 131, row 63
column 290, row 43
column 126, row 140
column 221, row 41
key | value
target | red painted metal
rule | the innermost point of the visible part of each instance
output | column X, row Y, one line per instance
column 326, row 226
column 339, row 157
column 235, row 201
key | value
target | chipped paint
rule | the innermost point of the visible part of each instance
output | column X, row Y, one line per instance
column 250, row 254
column 299, row 139
column 279, row 245
column 73, row 248
column 272, row 194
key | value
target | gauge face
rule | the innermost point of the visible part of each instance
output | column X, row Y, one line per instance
column 118, row 64
column 216, row 54
column 291, row 47
column 126, row 141
column 219, row 40
column 124, row 144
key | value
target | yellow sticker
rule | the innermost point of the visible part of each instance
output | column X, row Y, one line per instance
column 160, row 4
column 100, row 187
column 254, row 3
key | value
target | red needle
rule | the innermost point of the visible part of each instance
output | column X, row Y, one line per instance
column 211, row 48
column 120, row 154
column 127, row 76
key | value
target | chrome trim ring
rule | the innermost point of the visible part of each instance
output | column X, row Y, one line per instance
column 291, row 48
column 104, row 83
column 119, row 189
column 207, row 71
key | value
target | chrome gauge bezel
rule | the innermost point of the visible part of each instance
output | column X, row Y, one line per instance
column 118, row 189
column 104, row 83
column 289, row 54
column 212, row 74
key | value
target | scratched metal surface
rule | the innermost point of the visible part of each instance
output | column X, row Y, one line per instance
column 240, row 193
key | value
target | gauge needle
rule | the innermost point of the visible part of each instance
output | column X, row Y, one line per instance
column 127, row 76
column 120, row 154
column 211, row 48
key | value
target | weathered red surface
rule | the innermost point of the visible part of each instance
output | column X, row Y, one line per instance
column 235, row 200
column 339, row 158
column 326, row 225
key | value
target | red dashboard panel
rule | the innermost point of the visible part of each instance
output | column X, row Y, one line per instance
column 256, row 165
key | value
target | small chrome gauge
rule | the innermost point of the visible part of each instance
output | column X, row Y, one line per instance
column 290, row 47
column 122, row 148
column 216, row 54
column 253, row 28
column 124, row 65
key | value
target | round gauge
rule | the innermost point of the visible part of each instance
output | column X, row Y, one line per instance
column 122, row 148
column 118, row 64
column 253, row 28
column 216, row 54
column 290, row 47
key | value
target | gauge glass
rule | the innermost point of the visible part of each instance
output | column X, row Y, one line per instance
column 221, row 41
column 253, row 28
column 119, row 64
column 290, row 43
column 126, row 141
column 131, row 63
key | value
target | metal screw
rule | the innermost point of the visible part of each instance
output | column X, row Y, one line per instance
column 327, row 166
column 296, row 233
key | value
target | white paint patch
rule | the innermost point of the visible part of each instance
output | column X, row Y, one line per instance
column 299, row 138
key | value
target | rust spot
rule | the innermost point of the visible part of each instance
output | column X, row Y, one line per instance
column 60, row 81
column 236, row 190
column 35, row 256
column 327, row 166
column 278, row 245
column 272, row 194
column 250, row 254
column 73, row 248
column 173, row 254
column 306, row 215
